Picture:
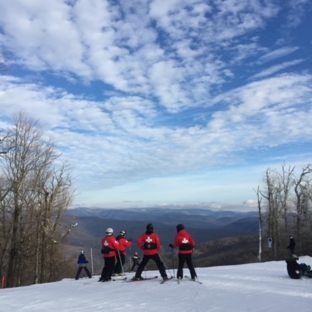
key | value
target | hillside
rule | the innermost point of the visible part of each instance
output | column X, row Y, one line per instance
column 227, row 251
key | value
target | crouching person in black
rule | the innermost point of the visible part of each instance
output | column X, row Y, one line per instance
column 296, row 270
column 82, row 263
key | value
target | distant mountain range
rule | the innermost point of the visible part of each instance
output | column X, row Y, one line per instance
column 195, row 218
column 204, row 224
column 222, row 237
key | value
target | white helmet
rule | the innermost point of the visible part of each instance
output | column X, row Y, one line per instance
column 109, row 231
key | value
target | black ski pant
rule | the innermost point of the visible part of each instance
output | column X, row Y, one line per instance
column 109, row 265
column 189, row 262
column 79, row 271
column 156, row 259
column 121, row 259
column 134, row 265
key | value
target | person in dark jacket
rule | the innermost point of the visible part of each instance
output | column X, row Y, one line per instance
column 82, row 263
column 121, row 255
column 296, row 270
column 186, row 243
column 135, row 260
column 292, row 245
column 150, row 243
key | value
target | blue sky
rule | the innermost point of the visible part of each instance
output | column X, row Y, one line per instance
column 176, row 102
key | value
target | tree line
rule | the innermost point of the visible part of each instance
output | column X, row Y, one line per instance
column 284, row 206
column 35, row 191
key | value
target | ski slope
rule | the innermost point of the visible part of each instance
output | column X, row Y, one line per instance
column 261, row 287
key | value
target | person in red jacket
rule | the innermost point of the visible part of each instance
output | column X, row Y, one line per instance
column 150, row 243
column 186, row 243
column 109, row 248
column 121, row 255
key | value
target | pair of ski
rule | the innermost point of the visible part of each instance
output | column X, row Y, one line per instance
column 150, row 278
column 141, row 280
column 119, row 279
column 124, row 279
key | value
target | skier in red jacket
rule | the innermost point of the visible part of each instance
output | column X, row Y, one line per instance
column 121, row 255
column 186, row 243
column 109, row 246
column 150, row 243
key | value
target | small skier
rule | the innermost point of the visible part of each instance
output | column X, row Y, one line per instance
column 296, row 270
column 186, row 243
column 150, row 243
column 121, row 255
column 135, row 260
column 82, row 263
column 292, row 245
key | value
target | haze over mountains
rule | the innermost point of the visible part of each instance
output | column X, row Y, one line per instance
column 204, row 224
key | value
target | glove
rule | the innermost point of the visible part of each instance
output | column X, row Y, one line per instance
column 170, row 245
column 130, row 240
column 87, row 261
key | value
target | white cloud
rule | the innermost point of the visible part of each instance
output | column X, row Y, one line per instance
column 118, row 140
column 278, row 53
column 276, row 68
column 169, row 82
column 117, row 44
column 297, row 10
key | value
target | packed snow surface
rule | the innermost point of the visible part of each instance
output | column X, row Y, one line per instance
column 243, row 288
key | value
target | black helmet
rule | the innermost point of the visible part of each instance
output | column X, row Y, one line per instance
column 180, row 227
column 150, row 227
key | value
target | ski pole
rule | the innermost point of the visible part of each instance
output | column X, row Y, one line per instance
column 122, row 270
column 165, row 265
column 172, row 261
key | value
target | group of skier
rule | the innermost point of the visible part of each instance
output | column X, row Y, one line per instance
column 114, row 252
column 150, row 243
column 112, row 249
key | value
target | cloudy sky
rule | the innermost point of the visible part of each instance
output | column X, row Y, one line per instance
column 163, row 102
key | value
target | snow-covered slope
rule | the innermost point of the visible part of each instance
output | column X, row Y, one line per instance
column 263, row 287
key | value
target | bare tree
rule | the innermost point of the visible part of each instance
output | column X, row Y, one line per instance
column 259, row 200
column 303, row 193
column 277, row 196
column 3, row 138
column 270, row 195
column 37, row 194
column 288, row 207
